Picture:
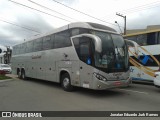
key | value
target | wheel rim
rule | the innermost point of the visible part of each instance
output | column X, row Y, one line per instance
column 65, row 82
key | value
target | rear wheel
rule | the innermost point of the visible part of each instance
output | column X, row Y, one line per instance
column 19, row 74
column 23, row 76
column 66, row 82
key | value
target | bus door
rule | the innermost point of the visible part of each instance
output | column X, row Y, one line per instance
column 84, row 50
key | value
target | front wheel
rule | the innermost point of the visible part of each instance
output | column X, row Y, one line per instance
column 66, row 82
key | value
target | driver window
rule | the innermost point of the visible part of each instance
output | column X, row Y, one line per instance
column 83, row 49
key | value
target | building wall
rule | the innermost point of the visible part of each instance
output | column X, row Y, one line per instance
column 148, row 28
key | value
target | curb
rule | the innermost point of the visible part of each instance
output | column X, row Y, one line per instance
column 6, row 80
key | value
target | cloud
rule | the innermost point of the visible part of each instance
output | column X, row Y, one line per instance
column 143, row 19
column 101, row 9
column 13, row 34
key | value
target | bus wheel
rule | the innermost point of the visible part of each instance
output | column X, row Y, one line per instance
column 23, row 76
column 19, row 74
column 66, row 82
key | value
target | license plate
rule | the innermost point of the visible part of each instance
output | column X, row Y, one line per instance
column 118, row 83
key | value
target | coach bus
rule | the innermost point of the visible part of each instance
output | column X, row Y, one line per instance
column 80, row 54
column 145, row 63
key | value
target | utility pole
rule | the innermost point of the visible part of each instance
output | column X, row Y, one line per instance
column 124, row 21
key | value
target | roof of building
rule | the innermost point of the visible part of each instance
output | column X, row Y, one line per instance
column 149, row 29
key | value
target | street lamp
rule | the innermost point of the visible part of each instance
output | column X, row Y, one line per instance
column 119, row 27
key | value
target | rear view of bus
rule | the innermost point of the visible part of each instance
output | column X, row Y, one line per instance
column 80, row 54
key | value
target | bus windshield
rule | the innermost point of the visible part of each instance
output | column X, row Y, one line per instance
column 114, row 55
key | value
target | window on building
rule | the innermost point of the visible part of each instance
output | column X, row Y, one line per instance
column 142, row 39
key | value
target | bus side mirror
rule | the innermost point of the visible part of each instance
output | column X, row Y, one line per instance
column 96, row 40
column 98, row 44
column 132, row 44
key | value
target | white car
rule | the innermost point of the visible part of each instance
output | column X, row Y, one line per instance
column 157, row 79
column 5, row 68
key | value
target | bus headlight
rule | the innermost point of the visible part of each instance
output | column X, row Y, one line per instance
column 100, row 77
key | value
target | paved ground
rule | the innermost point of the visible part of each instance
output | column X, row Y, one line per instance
column 36, row 95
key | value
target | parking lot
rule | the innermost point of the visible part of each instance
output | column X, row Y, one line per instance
column 32, row 95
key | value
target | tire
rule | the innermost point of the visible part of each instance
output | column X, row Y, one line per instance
column 23, row 75
column 19, row 74
column 66, row 82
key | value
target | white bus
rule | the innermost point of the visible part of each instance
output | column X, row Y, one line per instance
column 80, row 54
column 145, row 63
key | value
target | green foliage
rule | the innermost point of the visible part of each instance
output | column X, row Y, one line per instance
column 3, row 77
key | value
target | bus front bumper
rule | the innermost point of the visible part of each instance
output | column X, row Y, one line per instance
column 102, row 85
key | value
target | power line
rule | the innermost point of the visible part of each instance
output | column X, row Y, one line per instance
column 146, row 6
column 84, row 13
column 50, row 9
column 149, row 7
column 19, row 26
column 39, row 10
column 135, row 9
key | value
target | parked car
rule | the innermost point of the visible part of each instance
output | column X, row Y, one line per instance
column 5, row 68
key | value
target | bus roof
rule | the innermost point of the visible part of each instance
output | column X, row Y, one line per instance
column 87, row 25
column 142, row 32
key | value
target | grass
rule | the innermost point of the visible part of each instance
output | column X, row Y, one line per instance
column 3, row 77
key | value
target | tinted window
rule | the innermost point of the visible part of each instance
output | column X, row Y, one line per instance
column 99, row 26
column 140, row 39
column 38, row 44
column 18, row 48
column 29, row 46
column 47, row 43
column 158, row 38
column 77, row 31
column 151, row 38
column 84, row 49
column 22, row 48
column 15, row 50
column 62, row 39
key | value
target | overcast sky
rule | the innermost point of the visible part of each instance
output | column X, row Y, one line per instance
column 140, row 13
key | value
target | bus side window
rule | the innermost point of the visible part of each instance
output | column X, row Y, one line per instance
column 29, row 47
column 23, row 47
column 16, row 49
column 38, row 45
column 62, row 39
column 47, row 43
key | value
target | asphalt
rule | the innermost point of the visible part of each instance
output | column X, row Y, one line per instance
column 33, row 95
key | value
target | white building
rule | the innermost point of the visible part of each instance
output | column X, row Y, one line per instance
column 3, row 50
